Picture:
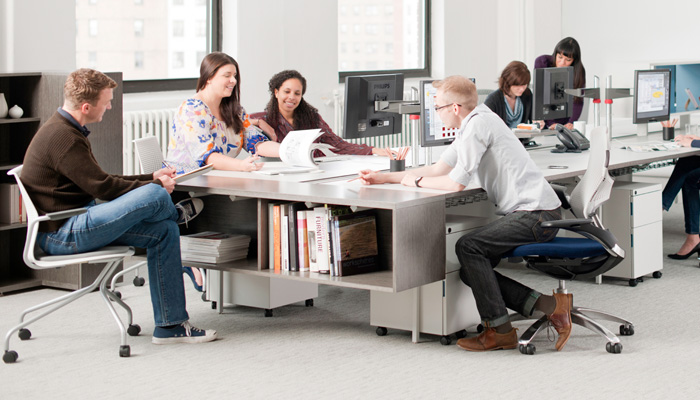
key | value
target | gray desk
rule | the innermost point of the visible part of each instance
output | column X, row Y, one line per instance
column 411, row 221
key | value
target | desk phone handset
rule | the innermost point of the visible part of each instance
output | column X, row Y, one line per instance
column 573, row 141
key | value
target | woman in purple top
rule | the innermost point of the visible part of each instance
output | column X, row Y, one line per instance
column 287, row 111
column 567, row 53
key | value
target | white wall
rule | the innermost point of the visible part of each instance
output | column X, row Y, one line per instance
column 37, row 35
column 617, row 37
column 269, row 36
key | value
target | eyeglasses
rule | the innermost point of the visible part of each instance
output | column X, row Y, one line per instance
column 438, row 108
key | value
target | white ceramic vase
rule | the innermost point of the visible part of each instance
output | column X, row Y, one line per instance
column 15, row 112
column 3, row 106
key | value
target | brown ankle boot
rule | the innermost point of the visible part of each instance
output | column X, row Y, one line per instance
column 489, row 339
column 561, row 317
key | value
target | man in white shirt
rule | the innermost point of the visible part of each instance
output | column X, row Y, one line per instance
column 486, row 152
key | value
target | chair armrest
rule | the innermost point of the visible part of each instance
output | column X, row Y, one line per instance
column 58, row 215
column 567, row 223
column 561, row 193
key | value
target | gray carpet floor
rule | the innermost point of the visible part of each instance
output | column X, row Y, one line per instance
column 331, row 351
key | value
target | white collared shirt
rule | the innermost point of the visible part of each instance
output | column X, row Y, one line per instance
column 486, row 152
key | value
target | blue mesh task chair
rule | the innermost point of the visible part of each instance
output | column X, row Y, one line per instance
column 596, row 252
column 35, row 258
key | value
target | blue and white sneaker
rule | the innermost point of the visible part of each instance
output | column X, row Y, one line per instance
column 188, row 209
column 183, row 333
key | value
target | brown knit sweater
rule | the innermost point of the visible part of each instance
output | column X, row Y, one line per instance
column 60, row 172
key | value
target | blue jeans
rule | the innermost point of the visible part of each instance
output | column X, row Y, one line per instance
column 144, row 217
column 685, row 176
column 480, row 251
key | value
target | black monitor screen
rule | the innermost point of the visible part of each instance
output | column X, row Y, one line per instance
column 361, row 92
column 549, row 100
column 652, row 95
column 433, row 132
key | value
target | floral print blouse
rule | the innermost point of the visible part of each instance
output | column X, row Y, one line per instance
column 196, row 133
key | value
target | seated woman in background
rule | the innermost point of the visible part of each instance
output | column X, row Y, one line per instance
column 686, row 177
column 567, row 53
column 513, row 100
column 211, row 127
column 288, row 111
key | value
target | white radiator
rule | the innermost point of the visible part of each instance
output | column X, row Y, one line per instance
column 139, row 124
column 405, row 138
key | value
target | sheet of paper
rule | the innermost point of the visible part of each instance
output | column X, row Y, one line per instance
column 297, row 147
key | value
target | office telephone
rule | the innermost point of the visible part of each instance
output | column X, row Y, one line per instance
column 572, row 141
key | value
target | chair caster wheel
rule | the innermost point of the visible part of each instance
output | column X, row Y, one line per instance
column 133, row 330
column 24, row 334
column 116, row 293
column 381, row 331
column 204, row 296
column 309, row 303
column 124, row 351
column 445, row 340
column 527, row 349
column 461, row 334
column 613, row 348
column 633, row 282
column 479, row 328
column 10, row 356
column 657, row 274
column 139, row 281
column 268, row 312
column 213, row 305
column 626, row 330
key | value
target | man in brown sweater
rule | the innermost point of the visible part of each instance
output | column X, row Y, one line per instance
column 60, row 173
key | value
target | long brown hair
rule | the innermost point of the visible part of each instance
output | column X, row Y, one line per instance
column 230, row 107
column 569, row 47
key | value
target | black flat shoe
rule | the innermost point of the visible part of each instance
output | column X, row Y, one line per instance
column 677, row 256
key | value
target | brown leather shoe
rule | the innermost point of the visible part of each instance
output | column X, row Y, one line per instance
column 489, row 339
column 561, row 317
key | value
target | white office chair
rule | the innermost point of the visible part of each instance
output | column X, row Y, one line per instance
column 35, row 258
column 591, row 255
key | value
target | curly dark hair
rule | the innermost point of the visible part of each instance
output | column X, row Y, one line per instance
column 230, row 107
column 305, row 115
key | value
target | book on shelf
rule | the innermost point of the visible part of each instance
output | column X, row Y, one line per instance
column 302, row 242
column 12, row 209
column 355, row 246
column 277, row 244
column 284, row 236
column 311, row 233
column 292, row 232
column 322, row 219
column 214, row 247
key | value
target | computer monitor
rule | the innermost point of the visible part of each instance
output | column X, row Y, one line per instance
column 548, row 98
column 652, row 95
column 433, row 132
column 361, row 120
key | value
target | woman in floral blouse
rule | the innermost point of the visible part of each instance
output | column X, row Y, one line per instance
column 212, row 128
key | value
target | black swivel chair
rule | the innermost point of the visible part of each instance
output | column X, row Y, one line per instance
column 596, row 252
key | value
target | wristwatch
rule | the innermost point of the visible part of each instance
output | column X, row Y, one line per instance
column 418, row 181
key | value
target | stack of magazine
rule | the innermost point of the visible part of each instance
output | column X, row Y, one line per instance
column 214, row 247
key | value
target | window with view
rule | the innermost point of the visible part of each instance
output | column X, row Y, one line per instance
column 145, row 40
column 382, row 35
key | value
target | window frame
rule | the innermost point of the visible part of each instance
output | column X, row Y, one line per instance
column 408, row 73
column 214, row 8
